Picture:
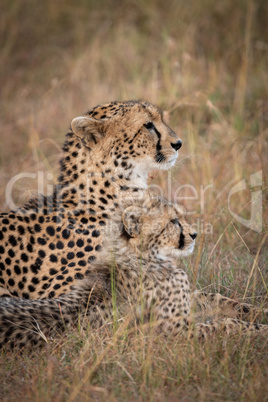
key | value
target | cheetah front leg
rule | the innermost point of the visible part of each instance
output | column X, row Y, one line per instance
column 180, row 324
column 208, row 305
column 226, row 326
column 168, row 301
column 171, row 311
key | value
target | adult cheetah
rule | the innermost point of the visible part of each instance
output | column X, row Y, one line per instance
column 138, row 274
column 51, row 242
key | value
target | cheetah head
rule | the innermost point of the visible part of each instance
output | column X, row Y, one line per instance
column 128, row 136
column 159, row 230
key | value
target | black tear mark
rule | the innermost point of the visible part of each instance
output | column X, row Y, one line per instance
column 158, row 145
column 182, row 238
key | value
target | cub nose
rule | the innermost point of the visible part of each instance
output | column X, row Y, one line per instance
column 193, row 235
column 177, row 145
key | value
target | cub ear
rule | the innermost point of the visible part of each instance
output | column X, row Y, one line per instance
column 132, row 220
column 90, row 130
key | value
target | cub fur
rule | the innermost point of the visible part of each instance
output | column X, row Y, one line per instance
column 137, row 269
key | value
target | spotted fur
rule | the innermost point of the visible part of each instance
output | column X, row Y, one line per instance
column 50, row 243
column 138, row 275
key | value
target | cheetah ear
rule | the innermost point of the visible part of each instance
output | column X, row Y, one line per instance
column 132, row 220
column 90, row 130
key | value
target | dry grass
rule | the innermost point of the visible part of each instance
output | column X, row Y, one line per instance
column 205, row 63
column 134, row 365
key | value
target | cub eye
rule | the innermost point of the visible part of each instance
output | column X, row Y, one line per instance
column 149, row 126
column 175, row 221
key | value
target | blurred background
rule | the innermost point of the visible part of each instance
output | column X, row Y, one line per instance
column 205, row 63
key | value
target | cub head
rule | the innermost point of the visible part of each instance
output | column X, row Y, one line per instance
column 158, row 230
column 123, row 135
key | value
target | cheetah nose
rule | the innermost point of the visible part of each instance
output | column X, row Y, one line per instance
column 177, row 145
column 193, row 235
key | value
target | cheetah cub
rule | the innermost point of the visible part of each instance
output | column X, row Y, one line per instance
column 138, row 270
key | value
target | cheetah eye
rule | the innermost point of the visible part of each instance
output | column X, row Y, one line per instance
column 175, row 221
column 150, row 126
